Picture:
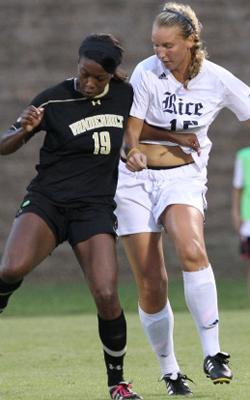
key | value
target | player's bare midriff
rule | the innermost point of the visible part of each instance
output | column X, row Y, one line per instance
column 164, row 156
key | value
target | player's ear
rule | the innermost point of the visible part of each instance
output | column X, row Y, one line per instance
column 190, row 41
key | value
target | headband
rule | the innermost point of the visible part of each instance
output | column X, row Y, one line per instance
column 182, row 16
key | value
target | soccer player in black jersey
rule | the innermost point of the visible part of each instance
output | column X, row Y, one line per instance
column 71, row 197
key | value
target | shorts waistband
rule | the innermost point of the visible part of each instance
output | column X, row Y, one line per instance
column 162, row 167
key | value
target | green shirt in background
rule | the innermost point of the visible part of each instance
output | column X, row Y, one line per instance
column 243, row 156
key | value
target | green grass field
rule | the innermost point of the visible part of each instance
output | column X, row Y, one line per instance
column 61, row 299
column 57, row 355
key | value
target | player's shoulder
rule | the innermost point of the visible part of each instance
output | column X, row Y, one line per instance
column 121, row 84
column 217, row 71
column 60, row 91
column 121, row 88
column 147, row 69
column 63, row 88
column 151, row 63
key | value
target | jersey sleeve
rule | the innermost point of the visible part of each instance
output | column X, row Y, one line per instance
column 237, row 96
column 141, row 93
column 238, row 174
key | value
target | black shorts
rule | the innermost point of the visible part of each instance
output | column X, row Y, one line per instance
column 74, row 224
column 245, row 248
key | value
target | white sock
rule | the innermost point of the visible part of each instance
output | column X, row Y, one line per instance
column 201, row 299
column 159, row 328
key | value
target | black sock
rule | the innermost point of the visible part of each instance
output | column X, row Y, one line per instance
column 113, row 334
column 6, row 290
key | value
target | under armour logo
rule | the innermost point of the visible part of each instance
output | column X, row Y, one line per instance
column 95, row 102
column 117, row 367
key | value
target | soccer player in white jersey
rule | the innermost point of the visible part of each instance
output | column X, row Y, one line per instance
column 162, row 186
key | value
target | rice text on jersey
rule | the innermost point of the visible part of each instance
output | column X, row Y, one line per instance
column 174, row 105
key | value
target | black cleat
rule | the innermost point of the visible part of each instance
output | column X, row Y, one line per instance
column 216, row 368
column 178, row 386
column 123, row 391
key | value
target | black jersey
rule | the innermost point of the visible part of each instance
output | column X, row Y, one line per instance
column 80, row 154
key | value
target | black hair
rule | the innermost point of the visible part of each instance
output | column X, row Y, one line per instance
column 104, row 49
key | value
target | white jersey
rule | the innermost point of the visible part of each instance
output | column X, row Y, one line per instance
column 162, row 101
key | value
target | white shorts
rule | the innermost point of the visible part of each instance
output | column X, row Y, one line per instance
column 142, row 196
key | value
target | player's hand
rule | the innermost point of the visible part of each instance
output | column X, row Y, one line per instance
column 31, row 117
column 188, row 140
column 136, row 161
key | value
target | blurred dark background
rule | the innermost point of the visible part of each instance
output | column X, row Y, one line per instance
column 38, row 47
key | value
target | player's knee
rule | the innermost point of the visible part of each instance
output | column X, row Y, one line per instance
column 11, row 274
column 105, row 297
column 193, row 253
column 13, row 270
column 153, row 288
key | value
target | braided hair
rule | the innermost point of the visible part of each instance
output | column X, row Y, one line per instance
column 183, row 16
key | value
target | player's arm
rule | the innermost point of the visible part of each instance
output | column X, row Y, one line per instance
column 236, row 198
column 12, row 139
column 136, row 160
column 183, row 139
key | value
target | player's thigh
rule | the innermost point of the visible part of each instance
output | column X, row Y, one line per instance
column 145, row 254
column 185, row 226
column 183, row 222
column 30, row 241
column 98, row 260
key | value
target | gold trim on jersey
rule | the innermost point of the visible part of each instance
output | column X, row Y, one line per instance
column 106, row 89
column 62, row 101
